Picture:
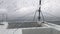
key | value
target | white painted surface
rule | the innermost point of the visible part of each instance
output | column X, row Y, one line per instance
column 3, row 26
column 10, row 31
column 49, row 29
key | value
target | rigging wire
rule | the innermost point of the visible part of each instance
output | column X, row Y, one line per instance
column 42, row 17
column 41, row 14
column 21, row 24
column 34, row 15
column 52, row 15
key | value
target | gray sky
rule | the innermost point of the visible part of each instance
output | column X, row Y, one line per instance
column 19, row 8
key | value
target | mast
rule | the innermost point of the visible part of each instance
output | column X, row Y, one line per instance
column 39, row 11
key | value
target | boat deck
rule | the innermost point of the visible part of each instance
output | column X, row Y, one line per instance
column 23, row 25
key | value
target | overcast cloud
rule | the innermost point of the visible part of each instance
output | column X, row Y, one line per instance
column 19, row 8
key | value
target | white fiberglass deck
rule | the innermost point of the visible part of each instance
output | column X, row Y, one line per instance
column 47, row 28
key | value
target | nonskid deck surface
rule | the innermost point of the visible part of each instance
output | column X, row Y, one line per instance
column 52, row 29
column 23, row 25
